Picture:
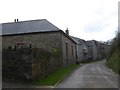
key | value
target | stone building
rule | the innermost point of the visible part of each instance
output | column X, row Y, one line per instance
column 40, row 34
column 92, row 50
column 96, row 50
column 102, row 50
column 81, row 49
column 105, row 50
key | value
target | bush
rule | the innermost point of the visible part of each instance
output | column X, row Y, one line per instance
column 113, row 60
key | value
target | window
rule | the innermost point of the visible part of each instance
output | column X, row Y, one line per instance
column 66, row 53
column 66, row 49
column 72, row 50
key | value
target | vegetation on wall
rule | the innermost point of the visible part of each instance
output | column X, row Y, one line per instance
column 16, row 63
column 55, row 52
column 113, row 60
column 45, row 61
column 26, row 63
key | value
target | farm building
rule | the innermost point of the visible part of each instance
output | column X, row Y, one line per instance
column 35, row 48
column 81, row 49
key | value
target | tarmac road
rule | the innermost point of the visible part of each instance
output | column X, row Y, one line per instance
column 93, row 75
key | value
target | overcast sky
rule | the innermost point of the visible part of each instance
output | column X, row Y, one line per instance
column 86, row 19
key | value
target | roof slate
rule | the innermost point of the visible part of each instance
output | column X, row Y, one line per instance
column 89, row 43
column 30, row 26
column 78, row 40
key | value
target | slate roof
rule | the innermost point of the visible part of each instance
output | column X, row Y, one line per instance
column 78, row 40
column 82, row 41
column 89, row 43
column 75, row 39
column 30, row 26
column 98, row 43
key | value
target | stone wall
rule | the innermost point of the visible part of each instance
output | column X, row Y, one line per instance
column 40, row 40
column 78, row 48
column 90, row 52
column 49, row 43
column 69, row 48
column 45, row 48
column 94, row 50
column 16, row 63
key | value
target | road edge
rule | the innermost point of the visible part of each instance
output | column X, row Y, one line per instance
column 66, row 75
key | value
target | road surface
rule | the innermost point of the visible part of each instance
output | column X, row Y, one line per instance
column 93, row 75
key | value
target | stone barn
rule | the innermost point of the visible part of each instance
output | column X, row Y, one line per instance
column 38, row 46
column 96, row 50
column 81, row 49
column 92, row 50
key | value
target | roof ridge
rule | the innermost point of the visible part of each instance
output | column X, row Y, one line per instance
column 24, row 21
column 52, row 24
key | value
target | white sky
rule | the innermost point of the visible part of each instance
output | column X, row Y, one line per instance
column 86, row 19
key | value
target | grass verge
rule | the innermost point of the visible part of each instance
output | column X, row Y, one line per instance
column 53, row 78
column 114, row 63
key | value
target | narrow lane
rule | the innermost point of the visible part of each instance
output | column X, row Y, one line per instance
column 93, row 75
